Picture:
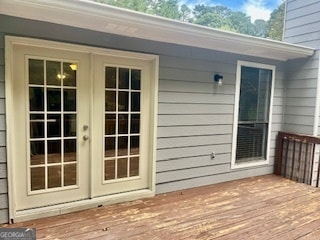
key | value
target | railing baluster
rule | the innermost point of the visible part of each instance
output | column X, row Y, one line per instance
column 293, row 158
column 312, row 163
column 299, row 161
column 305, row 162
column 300, row 167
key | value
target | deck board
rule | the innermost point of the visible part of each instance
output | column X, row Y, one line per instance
column 265, row 207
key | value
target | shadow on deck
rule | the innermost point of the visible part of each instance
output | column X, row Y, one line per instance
column 265, row 207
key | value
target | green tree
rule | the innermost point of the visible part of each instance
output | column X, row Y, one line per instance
column 185, row 13
column 166, row 8
column 136, row 5
column 260, row 28
column 276, row 23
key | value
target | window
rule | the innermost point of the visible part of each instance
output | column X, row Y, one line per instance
column 252, row 114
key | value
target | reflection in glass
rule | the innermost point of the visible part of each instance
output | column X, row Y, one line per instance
column 37, row 178
column 54, row 99
column 70, row 74
column 122, row 146
column 134, row 145
column 54, row 176
column 123, row 101
column 70, row 125
column 109, row 169
column 110, row 124
column 70, row 174
column 135, row 101
column 37, row 152
column 36, row 72
column 110, row 104
column 54, row 125
column 36, row 126
column 123, row 78
column 122, row 168
column 109, row 146
column 134, row 166
column 110, row 78
column 135, row 79
column 135, row 123
column 54, row 151
column 70, row 150
column 69, row 100
column 123, row 124
column 36, row 99
column 54, row 75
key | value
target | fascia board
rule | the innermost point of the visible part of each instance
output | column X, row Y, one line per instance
column 100, row 17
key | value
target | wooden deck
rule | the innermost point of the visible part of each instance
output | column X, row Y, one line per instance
column 266, row 207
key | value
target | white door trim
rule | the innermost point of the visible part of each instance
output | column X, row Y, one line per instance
column 10, row 42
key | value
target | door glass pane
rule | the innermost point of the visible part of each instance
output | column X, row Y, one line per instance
column 70, row 174
column 134, row 145
column 110, row 78
column 70, row 73
column 135, row 123
column 37, row 152
column 36, row 72
column 135, row 79
column 54, row 99
column 37, row 178
column 70, row 125
column 123, row 78
column 37, row 126
column 54, row 151
column 52, row 124
column 69, row 100
column 110, row 124
column 110, row 103
column 70, row 150
column 110, row 143
column 135, row 102
column 36, row 99
column 54, row 176
column 109, row 169
column 54, row 75
column 122, row 123
column 134, row 166
column 122, row 168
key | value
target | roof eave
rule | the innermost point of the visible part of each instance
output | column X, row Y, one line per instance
column 104, row 18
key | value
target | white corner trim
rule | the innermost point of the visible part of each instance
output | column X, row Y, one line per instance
column 317, row 107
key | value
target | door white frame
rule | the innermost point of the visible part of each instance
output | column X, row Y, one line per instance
column 10, row 42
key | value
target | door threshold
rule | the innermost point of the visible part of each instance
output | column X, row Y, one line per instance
column 59, row 209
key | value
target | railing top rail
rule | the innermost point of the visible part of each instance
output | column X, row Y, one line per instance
column 300, row 137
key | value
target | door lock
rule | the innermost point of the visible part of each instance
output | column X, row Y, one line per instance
column 85, row 137
column 85, row 127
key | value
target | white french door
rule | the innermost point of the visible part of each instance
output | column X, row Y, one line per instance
column 121, row 112
column 51, row 110
column 81, row 124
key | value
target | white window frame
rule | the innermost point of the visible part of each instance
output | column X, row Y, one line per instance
column 259, row 162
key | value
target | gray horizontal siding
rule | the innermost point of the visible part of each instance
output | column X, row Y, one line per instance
column 302, row 22
column 3, row 160
column 195, row 116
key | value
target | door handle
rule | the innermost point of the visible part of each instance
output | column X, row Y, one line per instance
column 85, row 137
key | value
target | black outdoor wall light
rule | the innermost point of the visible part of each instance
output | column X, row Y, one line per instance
column 218, row 78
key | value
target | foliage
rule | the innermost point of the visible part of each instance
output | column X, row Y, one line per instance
column 276, row 23
column 219, row 17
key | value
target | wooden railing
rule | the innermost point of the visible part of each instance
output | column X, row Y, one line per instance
column 297, row 158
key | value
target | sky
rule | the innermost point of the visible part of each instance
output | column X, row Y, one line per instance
column 256, row 9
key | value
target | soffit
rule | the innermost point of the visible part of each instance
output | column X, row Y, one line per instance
column 103, row 18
